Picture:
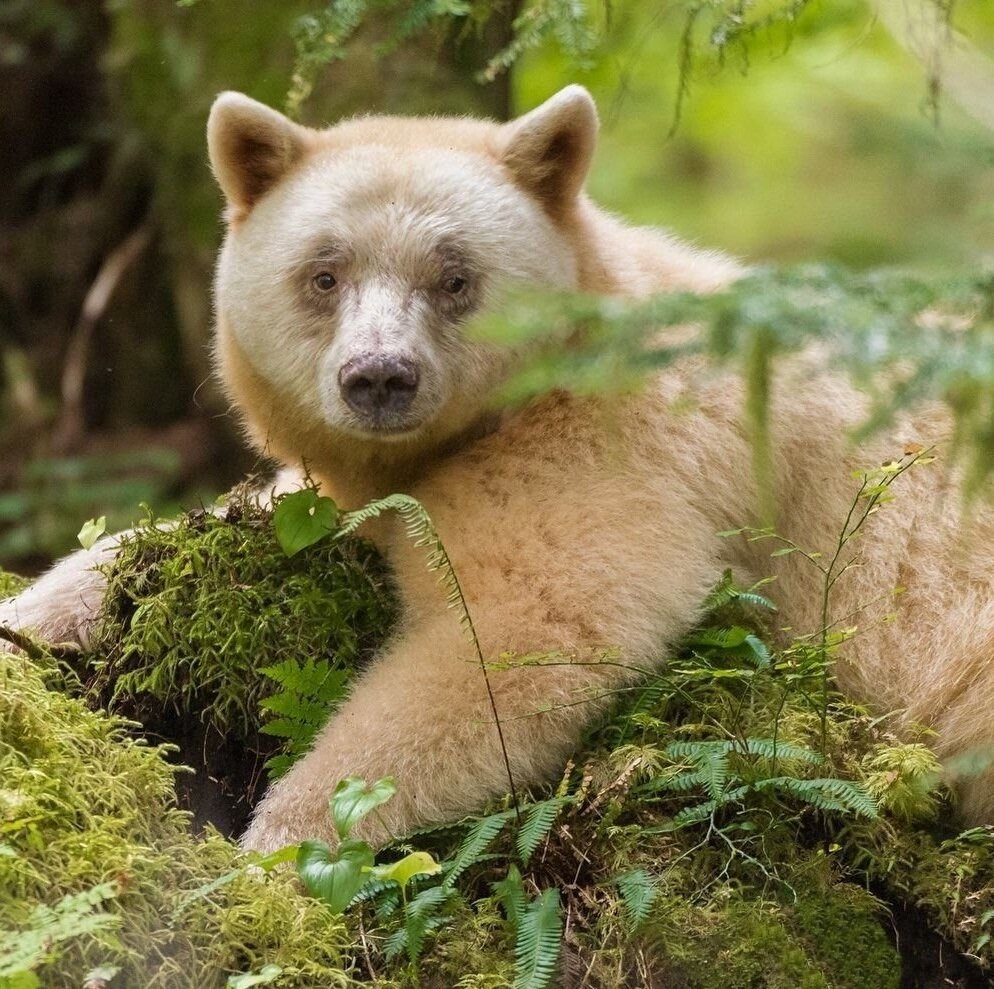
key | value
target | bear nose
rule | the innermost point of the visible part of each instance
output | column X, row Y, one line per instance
column 377, row 384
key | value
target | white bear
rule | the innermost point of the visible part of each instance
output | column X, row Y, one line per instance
column 354, row 258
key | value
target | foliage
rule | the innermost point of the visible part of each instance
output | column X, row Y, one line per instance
column 768, row 876
column 75, row 915
column 42, row 515
column 299, row 709
column 712, row 31
column 905, row 340
column 250, row 618
column 96, row 859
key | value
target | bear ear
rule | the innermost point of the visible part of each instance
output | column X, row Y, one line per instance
column 251, row 148
column 549, row 149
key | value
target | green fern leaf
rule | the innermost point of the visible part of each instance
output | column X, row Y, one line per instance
column 510, row 894
column 538, row 940
column 421, row 917
column 638, row 892
column 477, row 838
column 829, row 794
column 536, row 824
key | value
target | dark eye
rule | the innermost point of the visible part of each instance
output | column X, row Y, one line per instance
column 454, row 285
column 325, row 281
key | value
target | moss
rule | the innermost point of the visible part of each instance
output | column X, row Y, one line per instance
column 82, row 804
column 10, row 584
column 196, row 610
column 748, row 898
column 841, row 927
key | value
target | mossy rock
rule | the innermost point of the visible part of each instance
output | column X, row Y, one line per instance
column 831, row 937
column 197, row 611
column 10, row 584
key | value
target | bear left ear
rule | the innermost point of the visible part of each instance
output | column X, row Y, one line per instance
column 251, row 148
column 549, row 149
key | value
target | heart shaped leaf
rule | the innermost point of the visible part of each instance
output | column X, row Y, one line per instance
column 353, row 800
column 302, row 519
column 334, row 877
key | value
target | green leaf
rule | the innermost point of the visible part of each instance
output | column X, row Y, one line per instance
column 536, row 947
column 92, row 531
column 334, row 878
column 638, row 892
column 302, row 519
column 510, row 894
column 477, row 838
column 537, row 824
column 405, row 869
column 353, row 800
column 20, row 980
column 265, row 975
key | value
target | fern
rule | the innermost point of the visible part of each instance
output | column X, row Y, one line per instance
column 422, row 532
column 421, row 917
column 727, row 592
column 510, row 894
column 536, row 823
column 477, row 838
column 638, row 893
column 829, row 794
column 310, row 692
column 537, row 944
column 73, row 916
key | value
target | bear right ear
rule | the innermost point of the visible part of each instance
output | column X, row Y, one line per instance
column 549, row 150
column 251, row 148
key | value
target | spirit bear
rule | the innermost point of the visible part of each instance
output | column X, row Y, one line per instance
column 353, row 260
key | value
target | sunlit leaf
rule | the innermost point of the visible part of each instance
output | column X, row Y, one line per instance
column 92, row 530
column 353, row 800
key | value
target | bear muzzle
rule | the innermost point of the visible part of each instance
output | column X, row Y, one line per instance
column 379, row 387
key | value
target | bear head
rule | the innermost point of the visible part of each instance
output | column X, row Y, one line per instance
column 356, row 255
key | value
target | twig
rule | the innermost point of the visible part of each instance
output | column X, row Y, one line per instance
column 95, row 304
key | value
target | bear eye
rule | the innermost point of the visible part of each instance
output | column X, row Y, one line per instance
column 324, row 281
column 454, row 285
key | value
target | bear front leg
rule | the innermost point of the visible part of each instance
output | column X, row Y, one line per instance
column 422, row 715
column 64, row 604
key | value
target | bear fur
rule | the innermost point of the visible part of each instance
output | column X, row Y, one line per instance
column 575, row 524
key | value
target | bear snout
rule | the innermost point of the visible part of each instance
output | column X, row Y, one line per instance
column 377, row 384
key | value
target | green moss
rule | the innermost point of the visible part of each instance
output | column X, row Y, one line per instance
column 83, row 804
column 10, row 584
column 195, row 610
column 747, row 898
column 842, row 928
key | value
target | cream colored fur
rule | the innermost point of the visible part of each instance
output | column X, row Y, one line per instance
column 574, row 524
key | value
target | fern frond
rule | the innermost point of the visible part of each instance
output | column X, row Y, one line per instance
column 536, row 824
column 421, row 917
column 769, row 748
column 536, row 947
column 702, row 811
column 638, row 892
column 421, row 530
column 510, row 894
column 829, row 794
column 477, row 838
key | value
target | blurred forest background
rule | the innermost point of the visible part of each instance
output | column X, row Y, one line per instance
column 776, row 129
